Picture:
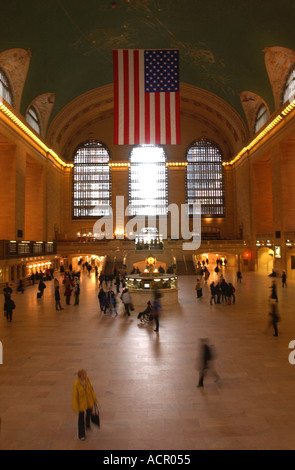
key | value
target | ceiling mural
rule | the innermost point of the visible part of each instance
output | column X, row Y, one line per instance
column 221, row 44
column 147, row 22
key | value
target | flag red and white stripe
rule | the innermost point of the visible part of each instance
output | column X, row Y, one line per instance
column 142, row 117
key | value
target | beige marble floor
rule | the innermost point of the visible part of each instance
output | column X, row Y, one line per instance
column 146, row 382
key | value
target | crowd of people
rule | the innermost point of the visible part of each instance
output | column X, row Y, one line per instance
column 69, row 284
column 220, row 290
column 112, row 291
column 109, row 303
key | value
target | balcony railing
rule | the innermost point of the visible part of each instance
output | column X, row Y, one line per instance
column 149, row 246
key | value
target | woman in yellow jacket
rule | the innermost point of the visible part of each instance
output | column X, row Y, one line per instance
column 83, row 401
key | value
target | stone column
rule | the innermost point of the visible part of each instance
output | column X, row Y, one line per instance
column 8, row 190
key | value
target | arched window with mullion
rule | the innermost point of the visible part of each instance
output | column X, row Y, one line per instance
column 5, row 90
column 261, row 118
column 204, row 178
column 289, row 88
column 91, row 180
column 32, row 119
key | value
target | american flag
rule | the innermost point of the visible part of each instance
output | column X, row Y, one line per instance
column 146, row 97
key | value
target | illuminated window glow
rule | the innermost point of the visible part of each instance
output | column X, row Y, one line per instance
column 148, row 181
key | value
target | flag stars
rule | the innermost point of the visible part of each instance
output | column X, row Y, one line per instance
column 161, row 71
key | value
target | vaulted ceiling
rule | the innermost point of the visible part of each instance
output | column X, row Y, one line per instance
column 221, row 43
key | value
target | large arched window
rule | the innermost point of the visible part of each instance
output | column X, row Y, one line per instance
column 289, row 90
column 33, row 119
column 148, row 191
column 91, row 180
column 5, row 90
column 204, row 178
column 261, row 118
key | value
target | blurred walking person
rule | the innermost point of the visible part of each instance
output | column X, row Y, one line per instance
column 284, row 279
column 198, row 289
column 83, row 401
column 274, row 294
column 41, row 287
column 126, row 299
column 100, row 296
column 113, row 304
column 213, row 293
column 77, row 294
column 239, row 277
column 274, row 318
column 205, row 362
column 156, row 310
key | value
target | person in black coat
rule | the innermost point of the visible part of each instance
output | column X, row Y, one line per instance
column 117, row 284
column 213, row 293
column 284, row 279
column 7, row 291
column 41, row 287
column 101, row 295
column 274, row 294
column 20, row 287
column 9, row 307
column 57, row 298
column 274, row 318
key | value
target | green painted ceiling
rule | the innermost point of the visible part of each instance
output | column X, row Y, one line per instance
column 220, row 42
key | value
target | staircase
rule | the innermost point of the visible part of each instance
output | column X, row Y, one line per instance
column 185, row 267
column 111, row 265
column 108, row 267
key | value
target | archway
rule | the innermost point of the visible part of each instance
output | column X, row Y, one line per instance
column 265, row 260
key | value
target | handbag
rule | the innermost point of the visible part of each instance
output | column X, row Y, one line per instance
column 95, row 416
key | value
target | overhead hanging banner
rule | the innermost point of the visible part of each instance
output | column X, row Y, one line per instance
column 146, row 97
